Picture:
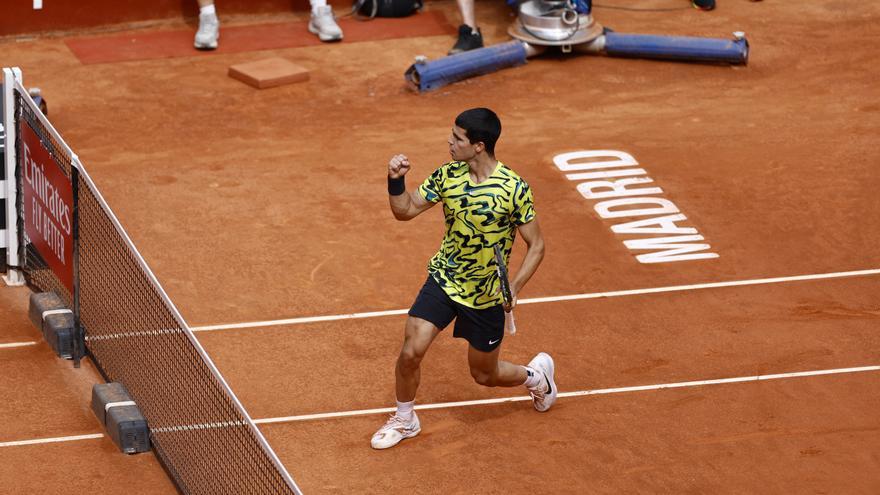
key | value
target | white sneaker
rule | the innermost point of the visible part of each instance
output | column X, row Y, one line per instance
column 395, row 430
column 545, row 394
column 208, row 33
column 324, row 24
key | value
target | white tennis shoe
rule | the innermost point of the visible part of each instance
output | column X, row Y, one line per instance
column 544, row 395
column 324, row 24
column 395, row 430
column 208, row 33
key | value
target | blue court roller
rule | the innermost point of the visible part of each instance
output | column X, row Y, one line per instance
column 685, row 48
column 428, row 75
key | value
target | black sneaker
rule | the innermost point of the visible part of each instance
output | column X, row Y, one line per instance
column 704, row 4
column 467, row 40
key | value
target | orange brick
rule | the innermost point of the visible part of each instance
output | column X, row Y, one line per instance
column 269, row 73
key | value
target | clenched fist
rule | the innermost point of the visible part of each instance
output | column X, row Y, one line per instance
column 398, row 166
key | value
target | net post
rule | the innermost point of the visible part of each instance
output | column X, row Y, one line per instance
column 78, row 335
column 8, row 191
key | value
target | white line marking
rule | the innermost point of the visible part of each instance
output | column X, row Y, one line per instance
column 710, row 285
column 16, row 344
column 125, row 335
column 91, row 338
column 295, row 321
column 51, row 440
column 202, row 426
column 446, row 405
column 595, row 295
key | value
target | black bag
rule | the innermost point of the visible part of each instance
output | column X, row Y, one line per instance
column 385, row 8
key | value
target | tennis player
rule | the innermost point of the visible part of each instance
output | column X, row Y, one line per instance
column 484, row 203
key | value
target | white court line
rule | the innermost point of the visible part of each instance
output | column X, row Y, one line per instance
column 295, row 321
column 582, row 393
column 16, row 344
column 446, row 405
column 594, row 295
column 51, row 440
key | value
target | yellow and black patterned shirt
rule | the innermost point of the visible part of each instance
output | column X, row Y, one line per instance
column 478, row 216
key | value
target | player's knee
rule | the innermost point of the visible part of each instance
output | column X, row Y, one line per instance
column 483, row 378
column 409, row 359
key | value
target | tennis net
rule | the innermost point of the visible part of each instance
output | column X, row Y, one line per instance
column 132, row 331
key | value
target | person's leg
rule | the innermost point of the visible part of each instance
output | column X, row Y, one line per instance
column 489, row 371
column 323, row 23
column 209, row 26
column 537, row 377
column 417, row 338
column 466, row 9
column 404, row 423
column 484, row 331
column 469, row 36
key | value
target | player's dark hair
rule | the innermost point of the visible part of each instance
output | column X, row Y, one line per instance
column 481, row 125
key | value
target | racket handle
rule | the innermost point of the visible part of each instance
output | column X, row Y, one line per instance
column 509, row 323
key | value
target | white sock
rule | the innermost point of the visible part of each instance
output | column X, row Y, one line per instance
column 534, row 379
column 405, row 409
column 317, row 3
column 208, row 9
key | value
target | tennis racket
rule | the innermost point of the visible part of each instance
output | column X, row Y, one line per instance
column 501, row 268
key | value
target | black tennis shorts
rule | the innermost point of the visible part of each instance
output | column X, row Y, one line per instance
column 482, row 328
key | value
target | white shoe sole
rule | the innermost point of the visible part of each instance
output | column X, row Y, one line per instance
column 323, row 37
column 383, row 447
column 206, row 46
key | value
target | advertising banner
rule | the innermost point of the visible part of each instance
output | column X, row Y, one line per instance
column 47, row 201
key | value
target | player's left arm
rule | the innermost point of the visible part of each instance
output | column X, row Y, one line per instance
column 531, row 233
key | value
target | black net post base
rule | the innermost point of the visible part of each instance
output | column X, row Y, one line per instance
column 121, row 417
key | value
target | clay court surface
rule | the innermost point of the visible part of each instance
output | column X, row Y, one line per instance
column 257, row 205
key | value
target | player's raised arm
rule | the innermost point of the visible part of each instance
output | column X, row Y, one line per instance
column 404, row 206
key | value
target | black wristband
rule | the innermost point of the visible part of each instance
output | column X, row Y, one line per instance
column 397, row 186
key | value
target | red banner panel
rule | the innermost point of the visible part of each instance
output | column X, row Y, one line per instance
column 47, row 198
